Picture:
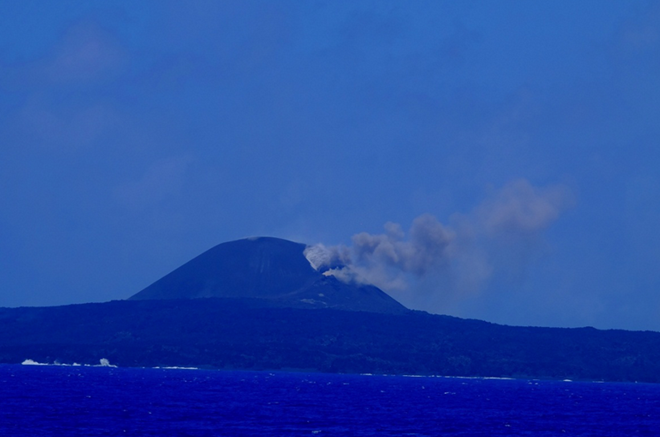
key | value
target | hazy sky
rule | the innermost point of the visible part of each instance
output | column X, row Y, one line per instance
column 516, row 144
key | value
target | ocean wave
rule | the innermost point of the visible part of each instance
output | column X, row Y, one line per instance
column 103, row 362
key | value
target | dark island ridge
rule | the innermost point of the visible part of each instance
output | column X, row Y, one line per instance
column 259, row 304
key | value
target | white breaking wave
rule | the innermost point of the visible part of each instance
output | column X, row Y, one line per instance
column 103, row 362
column 30, row 362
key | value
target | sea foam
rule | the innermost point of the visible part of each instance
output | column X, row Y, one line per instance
column 103, row 362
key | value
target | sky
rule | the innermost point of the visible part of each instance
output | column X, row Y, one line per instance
column 496, row 160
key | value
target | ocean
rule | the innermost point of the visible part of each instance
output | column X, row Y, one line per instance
column 108, row 401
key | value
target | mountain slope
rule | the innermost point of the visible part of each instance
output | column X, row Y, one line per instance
column 266, row 268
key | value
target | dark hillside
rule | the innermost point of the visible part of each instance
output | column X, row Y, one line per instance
column 266, row 268
column 259, row 267
column 249, row 334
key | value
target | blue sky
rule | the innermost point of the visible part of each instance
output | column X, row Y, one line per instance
column 515, row 143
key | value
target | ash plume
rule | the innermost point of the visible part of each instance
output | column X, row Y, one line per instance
column 455, row 259
column 520, row 208
column 386, row 259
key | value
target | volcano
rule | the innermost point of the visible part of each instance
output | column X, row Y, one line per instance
column 258, row 304
column 272, row 270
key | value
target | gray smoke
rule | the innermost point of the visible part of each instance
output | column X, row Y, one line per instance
column 324, row 258
column 385, row 259
column 461, row 257
column 520, row 208
column 426, row 249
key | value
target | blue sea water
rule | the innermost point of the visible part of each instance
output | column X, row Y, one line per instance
column 104, row 401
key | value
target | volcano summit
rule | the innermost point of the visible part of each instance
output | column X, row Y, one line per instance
column 270, row 269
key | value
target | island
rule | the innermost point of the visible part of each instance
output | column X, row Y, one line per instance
column 258, row 304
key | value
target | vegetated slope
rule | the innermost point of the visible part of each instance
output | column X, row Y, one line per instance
column 266, row 268
column 250, row 334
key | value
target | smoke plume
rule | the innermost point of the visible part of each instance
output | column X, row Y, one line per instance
column 460, row 257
